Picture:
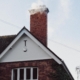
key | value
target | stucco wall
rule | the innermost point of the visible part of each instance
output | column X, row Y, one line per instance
column 44, row 67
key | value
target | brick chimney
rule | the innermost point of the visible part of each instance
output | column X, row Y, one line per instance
column 38, row 23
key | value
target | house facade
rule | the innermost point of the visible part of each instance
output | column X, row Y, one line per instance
column 25, row 56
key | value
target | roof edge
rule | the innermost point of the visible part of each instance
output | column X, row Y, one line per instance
column 67, row 70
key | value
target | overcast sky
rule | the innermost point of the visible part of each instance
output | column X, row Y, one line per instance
column 63, row 26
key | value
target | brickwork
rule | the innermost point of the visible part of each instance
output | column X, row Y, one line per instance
column 44, row 67
column 38, row 26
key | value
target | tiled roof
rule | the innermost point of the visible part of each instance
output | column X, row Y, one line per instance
column 5, row 41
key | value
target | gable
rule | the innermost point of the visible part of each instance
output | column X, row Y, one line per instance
column 25, row 31
column 16, row 53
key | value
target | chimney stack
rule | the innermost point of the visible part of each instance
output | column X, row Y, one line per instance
column 38, row 23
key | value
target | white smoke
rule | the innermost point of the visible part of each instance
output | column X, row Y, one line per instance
column 62, row 13
column 36, row 4
column 38, row 7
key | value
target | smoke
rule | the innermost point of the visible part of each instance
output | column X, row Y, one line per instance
column 62, row 13
column 36, row 4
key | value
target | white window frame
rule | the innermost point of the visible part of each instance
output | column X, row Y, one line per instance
column 18, row 73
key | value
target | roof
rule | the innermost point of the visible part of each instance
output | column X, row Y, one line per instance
column 7, row 41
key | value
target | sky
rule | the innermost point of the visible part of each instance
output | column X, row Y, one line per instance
column 63, row 26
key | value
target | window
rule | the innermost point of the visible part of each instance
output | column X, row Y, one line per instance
column 15, row 74
column 21, row 74
column 29, row 73
column 34, row 73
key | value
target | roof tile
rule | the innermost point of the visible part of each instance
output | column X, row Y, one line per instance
column 5, row 41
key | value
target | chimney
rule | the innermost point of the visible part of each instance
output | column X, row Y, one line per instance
column 38, row 23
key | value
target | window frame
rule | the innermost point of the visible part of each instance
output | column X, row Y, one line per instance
column 24, row 68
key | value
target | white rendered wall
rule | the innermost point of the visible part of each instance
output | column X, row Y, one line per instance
column 34, row 52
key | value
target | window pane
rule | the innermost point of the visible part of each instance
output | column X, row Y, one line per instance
column 15, row 74
column 21, row 74
column 34, row 73
column 27, row 73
